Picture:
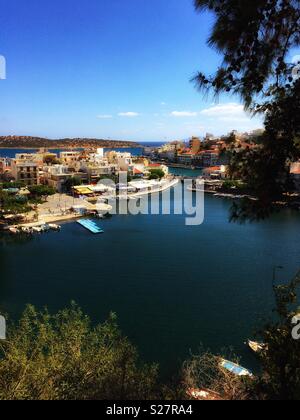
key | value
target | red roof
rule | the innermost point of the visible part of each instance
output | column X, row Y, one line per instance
column 213, row 169
column 137, row 172
column 155, row 165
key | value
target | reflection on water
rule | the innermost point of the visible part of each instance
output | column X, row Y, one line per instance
column 172, row 286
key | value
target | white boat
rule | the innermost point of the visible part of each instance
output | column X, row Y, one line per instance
column 13, row 230
column 52, row 226
column 26, row 230
column 234, row 368
column 203, row 395
column 256, row 347
column 37, row 229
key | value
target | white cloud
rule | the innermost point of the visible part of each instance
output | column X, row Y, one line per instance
column 104, row 117
column 129, row 114
column 183, row 114
column 223, row 118
column 163, row 103
column 228, row 111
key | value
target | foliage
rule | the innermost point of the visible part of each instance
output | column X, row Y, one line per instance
column 230, row 185
column 156, row 174
column 72, row 182
column 280, row 379
column 37, row 191
column 10, row 203
column 50, row 357
column 14, row 184
column 256, row 39
column 204, row 372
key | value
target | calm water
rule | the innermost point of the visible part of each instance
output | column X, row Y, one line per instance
column 173, row 287
column 10, row 153
column 192, row 173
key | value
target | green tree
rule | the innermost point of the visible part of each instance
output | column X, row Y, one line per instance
column 256, row 39
column 50, row 357
column 11, row 204
column 72, row 182
column 37, row 191
column 156, row 174
column 280, row 378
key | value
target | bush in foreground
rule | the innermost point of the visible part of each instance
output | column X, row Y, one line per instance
column 62, row 357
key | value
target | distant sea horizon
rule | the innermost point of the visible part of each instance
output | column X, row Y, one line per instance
column 135, row 151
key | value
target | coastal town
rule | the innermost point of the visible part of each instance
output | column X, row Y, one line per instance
column 44, row 187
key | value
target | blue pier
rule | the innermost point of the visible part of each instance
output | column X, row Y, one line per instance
column 91, row 226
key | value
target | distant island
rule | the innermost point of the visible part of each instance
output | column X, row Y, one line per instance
column 28, row 142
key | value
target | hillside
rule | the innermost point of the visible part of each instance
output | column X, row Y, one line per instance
column 28, row 142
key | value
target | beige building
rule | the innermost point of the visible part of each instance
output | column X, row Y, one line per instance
column 195, row 145
column 26, row 171
column 69, row 158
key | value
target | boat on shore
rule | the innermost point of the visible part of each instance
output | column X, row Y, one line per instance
column 33, row 228
column 235, row 369
column 203, row 395
column 256, row 347
column 54, row 227
column 13, row 230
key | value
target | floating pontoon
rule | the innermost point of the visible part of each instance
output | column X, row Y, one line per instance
column 91, row 226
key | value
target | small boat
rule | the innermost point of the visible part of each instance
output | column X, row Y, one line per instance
column 234, row 368
column 204, row 395
column 255, row 346
column 52, row 226
column 26, row 230
column 37, row 229
column 13, row 230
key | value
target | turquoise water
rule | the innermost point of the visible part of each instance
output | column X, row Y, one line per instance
column 173, row 287
column 192, row 173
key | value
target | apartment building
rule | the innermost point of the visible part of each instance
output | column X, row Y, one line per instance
column 26, row 171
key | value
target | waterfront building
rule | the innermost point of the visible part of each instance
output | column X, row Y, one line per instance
column 295, row 174
column 215, row 172
column 56, row 175
column 69, row 157
column 186, row 157
column 39, row 157
column 210, row 158
column 159, row 166
column 195, row 145
column 124, row 162
column 95, row 171
column 5, row 168
column 26, row 171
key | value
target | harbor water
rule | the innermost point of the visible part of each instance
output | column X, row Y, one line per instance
column 173, row 287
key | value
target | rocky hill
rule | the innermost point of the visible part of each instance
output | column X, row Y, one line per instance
column 28, row 142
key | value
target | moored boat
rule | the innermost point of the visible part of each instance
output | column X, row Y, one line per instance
column 235, row 369
column 204, row 395
column 256, row 347
column 54, row 227
column 13, row 230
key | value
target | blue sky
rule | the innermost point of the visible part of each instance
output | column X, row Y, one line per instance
column 109, row 69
